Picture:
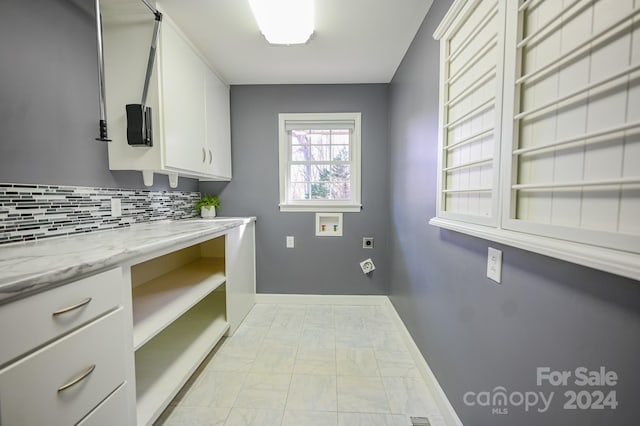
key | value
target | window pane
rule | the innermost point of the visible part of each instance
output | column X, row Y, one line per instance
column 300, row 173
column 299, row 191
column 340, row 153
column 340, row 173
column 320, row 137
column 320, row 191
column 340, row 190
column 340, row 137
column 320, row 153
column 299, row 137
column 300, row 153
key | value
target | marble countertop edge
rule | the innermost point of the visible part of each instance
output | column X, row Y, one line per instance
column 32, row 267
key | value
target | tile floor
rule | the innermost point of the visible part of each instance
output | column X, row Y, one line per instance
column 307, row 365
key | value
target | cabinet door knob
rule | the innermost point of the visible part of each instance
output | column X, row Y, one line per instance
column 72, row 307
column 78, row 379
column 204, row 155
column 210, row 157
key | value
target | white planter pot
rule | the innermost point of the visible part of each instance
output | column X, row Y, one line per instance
column 208, row 212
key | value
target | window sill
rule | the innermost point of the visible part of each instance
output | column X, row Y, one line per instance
column 320, row 209
column 614, row 261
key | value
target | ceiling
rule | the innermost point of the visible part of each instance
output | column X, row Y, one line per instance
column 355, row 41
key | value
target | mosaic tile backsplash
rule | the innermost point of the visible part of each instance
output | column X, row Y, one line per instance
column 30, row 212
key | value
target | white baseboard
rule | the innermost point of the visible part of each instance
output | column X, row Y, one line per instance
column 322, row 299
column 446, row 409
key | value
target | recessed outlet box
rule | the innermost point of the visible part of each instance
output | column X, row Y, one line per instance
column 116, row 207
column 367, row 242
column 328, row 224
column 494, row 264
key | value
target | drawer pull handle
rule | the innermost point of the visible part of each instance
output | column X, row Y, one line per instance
column 78, row 379
column 72, row 307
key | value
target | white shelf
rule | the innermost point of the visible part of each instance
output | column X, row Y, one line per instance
column 160, row 301
column 166, row 362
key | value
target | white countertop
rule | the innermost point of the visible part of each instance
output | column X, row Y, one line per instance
column 33, row 266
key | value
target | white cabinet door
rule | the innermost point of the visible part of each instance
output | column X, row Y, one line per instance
column 241, row 273
column 183, row 105
column 218, row 127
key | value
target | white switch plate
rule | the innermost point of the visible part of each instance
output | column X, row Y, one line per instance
column 494, row 264
column 116, row 207
column 290, row 241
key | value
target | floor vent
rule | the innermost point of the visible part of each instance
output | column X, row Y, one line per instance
column 420, row 421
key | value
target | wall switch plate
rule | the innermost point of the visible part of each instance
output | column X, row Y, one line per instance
column 290, row 241
column 494, row 264
column 116, row 207
column 367, row 242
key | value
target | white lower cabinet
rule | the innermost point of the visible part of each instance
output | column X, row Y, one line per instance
column 115, row 348
column 62, row 382
column 109, row 412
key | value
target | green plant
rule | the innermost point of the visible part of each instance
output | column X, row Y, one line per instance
column 208, row 201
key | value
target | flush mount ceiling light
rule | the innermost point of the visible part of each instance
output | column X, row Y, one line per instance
column 284, row 21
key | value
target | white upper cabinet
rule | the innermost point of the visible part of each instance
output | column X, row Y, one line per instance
column 190, row 104
column 218, row 127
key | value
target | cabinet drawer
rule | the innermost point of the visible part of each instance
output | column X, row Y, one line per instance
column 112, row 411
column 32, row 389
column 30, row 322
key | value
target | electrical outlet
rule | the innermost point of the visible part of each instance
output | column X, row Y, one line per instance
column 367, row 266
column 116, row 207
column 367, row 242
column 290, row 241
column 494, row 264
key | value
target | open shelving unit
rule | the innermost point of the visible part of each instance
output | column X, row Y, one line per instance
column 179, row 315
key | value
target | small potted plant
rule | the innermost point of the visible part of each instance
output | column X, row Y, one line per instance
column 207, row 206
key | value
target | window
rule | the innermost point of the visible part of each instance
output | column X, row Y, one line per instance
column 566, row 137
column 320, row 162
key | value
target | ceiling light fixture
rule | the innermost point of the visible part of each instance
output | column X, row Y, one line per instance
column 284, row 21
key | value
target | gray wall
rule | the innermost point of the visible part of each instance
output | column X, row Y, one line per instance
column 317, row 265
column 476, row 334
column 49, row 98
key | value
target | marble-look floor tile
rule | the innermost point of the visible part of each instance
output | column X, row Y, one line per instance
column 318, row 338
column 244, row 344
column 193, row 416
column 371, row 419
column 275, row 357
column 264, row 391
column 362, row 394
column 383, row 340
column 397, row 364
column 261, row 315
column 312, row 393
column 380, row 320
column 315, row 366
column 356, row 362
column 253, row 417
column 408, row 395
column 214, row 388
column 319, row 316
column 349, row 338
column 306, row 354
column 310, row 418
column 230, row 363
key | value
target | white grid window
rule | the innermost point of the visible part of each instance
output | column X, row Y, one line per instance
column 320, row 162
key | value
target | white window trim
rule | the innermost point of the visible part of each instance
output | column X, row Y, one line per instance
column 329, row 206
column 564, row 245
